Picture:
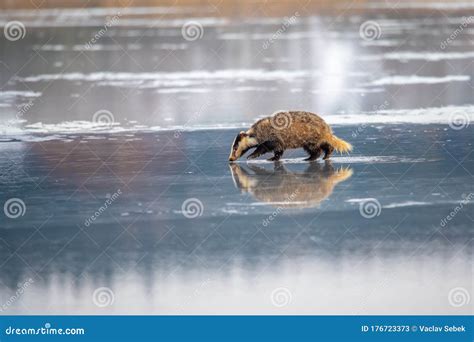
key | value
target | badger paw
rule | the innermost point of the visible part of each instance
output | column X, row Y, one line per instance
column 275, row 158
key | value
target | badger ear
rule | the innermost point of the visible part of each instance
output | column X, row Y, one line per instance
column 243, row 134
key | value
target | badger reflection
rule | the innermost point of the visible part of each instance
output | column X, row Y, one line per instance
column 283, row 188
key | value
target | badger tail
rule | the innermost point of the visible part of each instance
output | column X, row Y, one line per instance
column 339, row 145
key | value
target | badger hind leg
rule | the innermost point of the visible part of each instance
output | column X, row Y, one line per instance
column 328, row 150
column 313, row 151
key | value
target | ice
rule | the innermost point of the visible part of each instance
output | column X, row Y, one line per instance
column 415, row 79
column 178, row 229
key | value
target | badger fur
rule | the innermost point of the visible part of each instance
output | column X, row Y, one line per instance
column 288, row 130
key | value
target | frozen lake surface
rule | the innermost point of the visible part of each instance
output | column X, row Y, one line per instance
column 118, row 151
column 248, row 228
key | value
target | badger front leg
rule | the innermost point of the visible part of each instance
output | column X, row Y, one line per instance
column 261, row 149
column 278, row 148
column 277, row 155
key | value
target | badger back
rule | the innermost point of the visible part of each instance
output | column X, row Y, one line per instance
column 293, row 129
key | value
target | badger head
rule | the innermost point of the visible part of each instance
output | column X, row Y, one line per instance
column 242, row 143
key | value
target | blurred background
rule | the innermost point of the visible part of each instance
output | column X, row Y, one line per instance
column 223, row 64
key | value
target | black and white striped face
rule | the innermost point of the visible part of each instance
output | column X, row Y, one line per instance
column 242, row 143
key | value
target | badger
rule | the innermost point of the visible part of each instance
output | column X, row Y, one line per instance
column 288, row 130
